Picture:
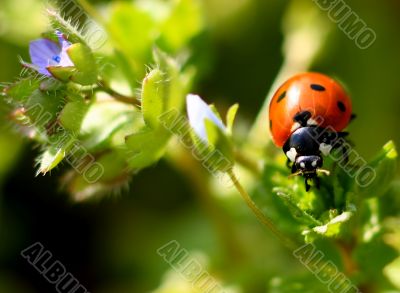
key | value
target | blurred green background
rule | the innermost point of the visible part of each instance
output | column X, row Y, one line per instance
column 110, row 244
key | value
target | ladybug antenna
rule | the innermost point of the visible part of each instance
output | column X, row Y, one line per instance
column 324, row 171
column 298, row 173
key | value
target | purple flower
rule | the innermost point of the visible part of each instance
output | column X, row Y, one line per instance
column 46, row 53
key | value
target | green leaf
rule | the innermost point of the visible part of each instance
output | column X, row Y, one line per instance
column 20, row 91
column 230, row 117
column 153, row 97
column 163, row 94
column 184, row 21
column 178, row 81
column 288, row 213
column 111, row 177
column 54, row 154
column 299, row 214
column 213, row 132
column 219, row 146
column 334, row 228
column 392, row 272
column 369, row 219
column 103, row 121
column 72, row 115
column 145, row 148
column 84, row 61
column 114, row 164
column 215, row 111
column 383, row 169
column 51, row 84
column 42, row 108
column 373, row 256
column 128, row 20
column 62, row 73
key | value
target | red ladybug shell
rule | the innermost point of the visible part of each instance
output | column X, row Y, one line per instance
column 322, row 96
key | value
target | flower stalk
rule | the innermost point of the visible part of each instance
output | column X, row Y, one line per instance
column 104, row 87
column 267, row 222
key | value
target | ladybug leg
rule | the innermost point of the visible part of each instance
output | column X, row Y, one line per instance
column 353, row 116
column 317, row 182
column 294, row 168
column 343, row 134
column 302, row 118
column 332, row 140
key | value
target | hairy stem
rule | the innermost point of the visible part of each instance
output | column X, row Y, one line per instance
column 267, row 222
column 117, row 96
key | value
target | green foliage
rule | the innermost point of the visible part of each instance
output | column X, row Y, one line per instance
column 53, row 155
column 230, row 118
column 392, row 271
column 104, row 120
column 135, row 27
column 73, row 110
column 85, row 64
column 121, row 110
column 19, row 92
column 72, row 115
column 341, row 210
column 163, row 90
column 153, row 97
column 58, row 22
column 296, row 284
column 385, row 165
column 328, row 212
column 84, row 71
column 184, row 21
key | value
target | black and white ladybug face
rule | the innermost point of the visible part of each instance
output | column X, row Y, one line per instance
column 308, row 164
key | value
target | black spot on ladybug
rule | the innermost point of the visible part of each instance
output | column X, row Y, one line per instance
column 270, row 125
column 281, row 97
column 341, row 106
column 302, row 118
column 317, row 87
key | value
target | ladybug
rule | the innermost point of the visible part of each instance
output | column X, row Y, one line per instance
column 307, row 115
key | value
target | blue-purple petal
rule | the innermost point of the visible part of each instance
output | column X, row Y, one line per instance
column 45, row 53
column 65, row 61
column 34, row 67
column 42, row 51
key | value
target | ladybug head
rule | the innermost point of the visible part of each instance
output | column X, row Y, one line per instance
column 303, row 150
column 308, row 165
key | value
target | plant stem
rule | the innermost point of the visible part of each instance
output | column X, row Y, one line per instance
column 345, row 250
column 248, row 163
column 117, row 96
column 267, row 222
